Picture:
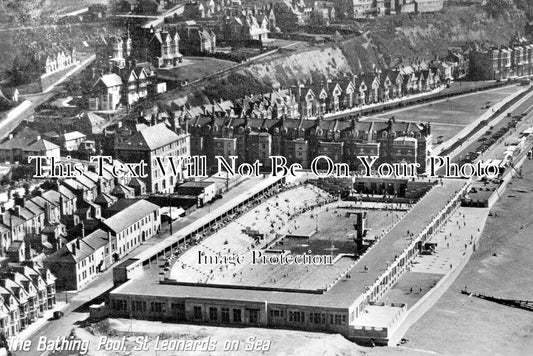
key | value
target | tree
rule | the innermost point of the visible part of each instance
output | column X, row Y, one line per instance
column 495, row 8
column 317, row 19
column 286, row 20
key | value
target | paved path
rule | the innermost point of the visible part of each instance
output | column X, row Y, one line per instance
column 458, row 235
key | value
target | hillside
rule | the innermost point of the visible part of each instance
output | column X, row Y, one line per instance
column 29, row 12
column 21, row 11
column 430, row 35
column 383, row 42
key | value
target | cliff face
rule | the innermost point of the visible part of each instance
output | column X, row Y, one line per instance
column 382, row 43
column 288, row 67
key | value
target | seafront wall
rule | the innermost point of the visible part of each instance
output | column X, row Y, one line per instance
column 432, row 296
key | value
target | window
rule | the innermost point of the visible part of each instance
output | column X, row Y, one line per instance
column 237, row 318
column 276, row 313
column 177, row 307
column 119, row 304
column 338, row 319
column 317, row 318
column 213, row 314
column 157, row 307
column 297, row 317
column 197, row 313
column 224, row 314
column 139, row 305
column 254, row 315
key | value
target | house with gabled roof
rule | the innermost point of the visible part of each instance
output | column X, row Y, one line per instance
column 347, row 99
column 335, row 96
column 395, row 89
column 79, row 261
column 156, row 141
column 372, row 84
column 19, row 147
column 91, row 124
column 55, row 57
column 306, row 98
column 106, row 93
column 10, row 316
column 162, row 48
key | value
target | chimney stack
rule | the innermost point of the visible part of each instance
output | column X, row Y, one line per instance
column 61, row 205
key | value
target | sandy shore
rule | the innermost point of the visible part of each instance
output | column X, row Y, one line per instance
column 502, row 265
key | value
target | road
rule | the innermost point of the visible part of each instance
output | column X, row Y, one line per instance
column 472, row 144
column 39, row 27
column 77, row 310
column 6, row 126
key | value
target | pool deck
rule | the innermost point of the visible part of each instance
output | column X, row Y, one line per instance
column 345, row 290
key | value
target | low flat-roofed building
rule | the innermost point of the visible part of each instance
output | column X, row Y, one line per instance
column 340, row 306
column 205, row 191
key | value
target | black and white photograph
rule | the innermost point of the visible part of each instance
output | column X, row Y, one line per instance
column 266, row 177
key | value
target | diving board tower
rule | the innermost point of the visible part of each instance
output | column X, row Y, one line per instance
column 360, row 223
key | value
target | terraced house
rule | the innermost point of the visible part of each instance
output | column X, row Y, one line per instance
column 27, row 290
column 514, row 60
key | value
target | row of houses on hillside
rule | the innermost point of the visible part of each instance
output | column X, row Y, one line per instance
column 368, row 8
column 55, row 58
column 514, row 60
column 312, row 99
column 143, row 7
column 123, row 87
column 246, row 25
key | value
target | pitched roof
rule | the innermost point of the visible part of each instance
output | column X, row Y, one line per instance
column 150, row 138
column 105, row 198
column 52, row 196
column 93, row 118
column 130, row 215
column 66, row 192
column 74, row 135
column 41, row 145
column 66, row 254
column 110, row 80
column 96, row 239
